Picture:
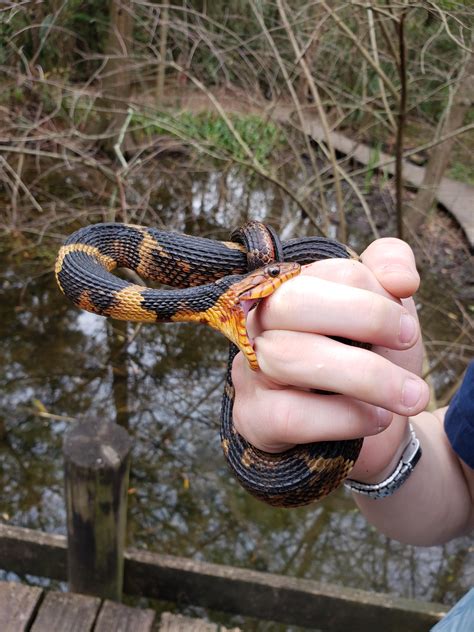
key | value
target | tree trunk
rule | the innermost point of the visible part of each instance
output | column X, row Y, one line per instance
column 116, row 75
column 440, row 155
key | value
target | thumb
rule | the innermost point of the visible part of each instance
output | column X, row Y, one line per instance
column 392, row 262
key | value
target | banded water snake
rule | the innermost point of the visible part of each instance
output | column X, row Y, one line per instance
column 217, row 284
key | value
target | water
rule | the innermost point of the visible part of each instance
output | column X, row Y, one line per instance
column 164, row 384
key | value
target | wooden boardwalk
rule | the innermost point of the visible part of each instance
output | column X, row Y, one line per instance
column 31, row 609
column 288, row 600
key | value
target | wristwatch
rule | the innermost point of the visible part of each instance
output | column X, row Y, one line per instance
column 410, row 457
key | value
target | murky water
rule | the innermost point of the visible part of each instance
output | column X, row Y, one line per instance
column 164, row 384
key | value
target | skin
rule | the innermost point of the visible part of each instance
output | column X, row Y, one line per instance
column 378, row 390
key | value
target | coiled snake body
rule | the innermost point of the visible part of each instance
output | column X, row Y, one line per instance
column 218, row 285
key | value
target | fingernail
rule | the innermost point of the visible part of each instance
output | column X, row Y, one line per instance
column 384, row 418
column 411, row 392
column 407, row 328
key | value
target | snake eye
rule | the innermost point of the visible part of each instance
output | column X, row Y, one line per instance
column 273, row 271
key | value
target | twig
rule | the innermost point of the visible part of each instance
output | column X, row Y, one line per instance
column 375, row 52
column 442, row 15
column 118, row 144
column 160, row 77
column 389, row 39
column 426, row 45
column 85, row 160
column 19, row 171
column 400, row 25
column 46, row 35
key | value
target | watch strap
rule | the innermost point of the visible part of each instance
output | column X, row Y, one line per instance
column 408, row 460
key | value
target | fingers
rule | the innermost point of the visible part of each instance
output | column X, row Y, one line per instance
column 288, row 418
column 274, row 419
column 311, row 361
column 393, row 264
column 311, row 304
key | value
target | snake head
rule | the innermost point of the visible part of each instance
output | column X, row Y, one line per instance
column 243, row 294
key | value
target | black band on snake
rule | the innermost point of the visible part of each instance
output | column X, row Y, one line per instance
column 219, row 282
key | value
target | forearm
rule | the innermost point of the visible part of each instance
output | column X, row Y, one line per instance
column 435, row 504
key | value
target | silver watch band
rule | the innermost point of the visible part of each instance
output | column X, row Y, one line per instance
column 410, row 457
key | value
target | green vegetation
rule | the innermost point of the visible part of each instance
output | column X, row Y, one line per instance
column 212, row 132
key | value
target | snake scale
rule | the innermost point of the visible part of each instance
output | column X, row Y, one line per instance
column 217, row 283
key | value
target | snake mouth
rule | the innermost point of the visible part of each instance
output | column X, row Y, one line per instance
column 229, row 314
column 248, row 304
column 249, row 292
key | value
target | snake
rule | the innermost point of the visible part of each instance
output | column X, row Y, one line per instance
column 215, row 283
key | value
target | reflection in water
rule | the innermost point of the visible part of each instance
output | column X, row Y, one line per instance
column 164, row 384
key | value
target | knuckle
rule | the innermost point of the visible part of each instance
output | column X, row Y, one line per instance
column 246, row 419
column 358, row 418
column 282, row 423
column 391, row 391
column 377, row 320
column 395, row 251
column 352, row 273
column 272, row 352
column 371, row 374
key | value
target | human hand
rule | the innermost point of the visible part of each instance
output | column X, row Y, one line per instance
column 377, row 390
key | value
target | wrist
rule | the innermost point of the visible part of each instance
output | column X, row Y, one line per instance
column 402, row 470
column 397, row 444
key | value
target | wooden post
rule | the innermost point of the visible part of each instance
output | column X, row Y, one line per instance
column 97, row 463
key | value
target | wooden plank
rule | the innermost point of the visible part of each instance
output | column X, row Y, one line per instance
column 116, row 617
column 61, row 612
column 179, row 623
column 18, row 604
column 274, row 597
column 262, row 595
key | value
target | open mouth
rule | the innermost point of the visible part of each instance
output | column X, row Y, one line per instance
column 247, row 305
column 247, row 294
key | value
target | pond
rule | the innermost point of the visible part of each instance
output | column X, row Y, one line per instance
column 164, row 384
